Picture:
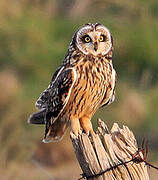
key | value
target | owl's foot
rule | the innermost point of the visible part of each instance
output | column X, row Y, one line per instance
column 76, row 128
column 87, row 125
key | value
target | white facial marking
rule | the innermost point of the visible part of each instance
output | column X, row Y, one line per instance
column 94, row 33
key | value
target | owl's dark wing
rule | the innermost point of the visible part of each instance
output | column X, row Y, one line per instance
column 109, row 95
column 53, row 100
column 42, row 101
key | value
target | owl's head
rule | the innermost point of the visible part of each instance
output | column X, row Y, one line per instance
column 94, row 39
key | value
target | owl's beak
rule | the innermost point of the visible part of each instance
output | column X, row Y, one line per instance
column 95, row 46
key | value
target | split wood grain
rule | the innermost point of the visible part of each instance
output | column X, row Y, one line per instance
column 106, row 150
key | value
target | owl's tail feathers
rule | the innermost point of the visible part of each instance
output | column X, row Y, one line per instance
column 54, row 132
column 37, row 117
column 55, row 129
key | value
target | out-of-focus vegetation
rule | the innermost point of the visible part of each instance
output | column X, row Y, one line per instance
column 34, row 37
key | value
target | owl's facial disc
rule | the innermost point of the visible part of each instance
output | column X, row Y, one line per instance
column 94, row 39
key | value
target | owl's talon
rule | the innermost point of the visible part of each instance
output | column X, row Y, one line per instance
column 76, row 128
column 92, row 133
column 86, row 132
column 77, row 132
column 80, row 132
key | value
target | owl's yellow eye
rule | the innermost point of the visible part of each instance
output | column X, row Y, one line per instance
column 102, row 38
column 86, row 39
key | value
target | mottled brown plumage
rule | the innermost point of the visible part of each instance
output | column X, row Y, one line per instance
column 81, row 85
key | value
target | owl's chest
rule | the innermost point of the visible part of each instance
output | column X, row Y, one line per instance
column 93, row 77
column 90, row 87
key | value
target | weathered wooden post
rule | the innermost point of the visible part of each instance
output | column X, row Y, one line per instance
column 109, row 155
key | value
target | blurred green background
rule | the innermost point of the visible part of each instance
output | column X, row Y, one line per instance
column 34, row 37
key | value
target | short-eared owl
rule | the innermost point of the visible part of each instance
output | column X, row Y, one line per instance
column 82, row 84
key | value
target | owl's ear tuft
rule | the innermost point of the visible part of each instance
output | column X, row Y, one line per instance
column 88, row 24
column 97, row 24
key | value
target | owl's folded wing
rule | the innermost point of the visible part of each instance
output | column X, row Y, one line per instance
column 53, row 100
column 42, row 101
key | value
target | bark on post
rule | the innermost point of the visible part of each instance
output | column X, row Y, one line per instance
column 109, row 151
